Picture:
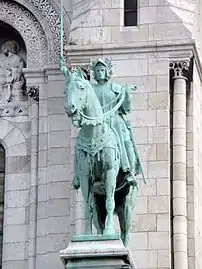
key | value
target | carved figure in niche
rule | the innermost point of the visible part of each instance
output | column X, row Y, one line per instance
column 11, row 76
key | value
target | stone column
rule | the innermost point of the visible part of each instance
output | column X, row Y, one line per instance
column 179, row 202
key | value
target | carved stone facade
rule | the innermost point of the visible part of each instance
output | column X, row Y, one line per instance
column 29, row 44
column 32, row 32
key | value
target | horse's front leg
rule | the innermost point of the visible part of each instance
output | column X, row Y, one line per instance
column 83, row 169
column 110, row 185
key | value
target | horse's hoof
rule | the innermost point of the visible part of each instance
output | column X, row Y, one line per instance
column 109, row 231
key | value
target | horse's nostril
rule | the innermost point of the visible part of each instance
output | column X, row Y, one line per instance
column 70, row 109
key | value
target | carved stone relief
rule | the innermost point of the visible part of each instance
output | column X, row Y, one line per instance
column 12, row 81
column 179, row 67
column 182, row 68
column 33, row 34
column 33, row 92
column 12, row 110
column 30, row 30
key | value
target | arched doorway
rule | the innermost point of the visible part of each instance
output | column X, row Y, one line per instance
column 2, row 180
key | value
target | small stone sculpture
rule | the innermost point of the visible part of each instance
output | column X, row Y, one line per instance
column 106, row 158
column 12, row 80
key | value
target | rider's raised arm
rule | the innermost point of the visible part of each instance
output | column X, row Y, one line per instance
column 63, row 67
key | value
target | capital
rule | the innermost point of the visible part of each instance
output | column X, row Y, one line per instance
column 33, row 92
column 179, row 68
column 182, row 68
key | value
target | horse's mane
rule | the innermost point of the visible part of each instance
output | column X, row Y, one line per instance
column 91, row 89
column 76, row 77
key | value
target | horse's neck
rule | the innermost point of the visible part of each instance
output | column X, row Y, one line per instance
column 93, row 109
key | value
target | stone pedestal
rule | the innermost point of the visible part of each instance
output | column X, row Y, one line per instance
column 98, row 251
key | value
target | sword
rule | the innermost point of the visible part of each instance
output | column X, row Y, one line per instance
column 136, row 154
column 134, row 88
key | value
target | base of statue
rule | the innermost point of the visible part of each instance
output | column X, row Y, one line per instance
column 96, row 251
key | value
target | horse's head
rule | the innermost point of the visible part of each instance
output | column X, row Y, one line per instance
column 76, row 95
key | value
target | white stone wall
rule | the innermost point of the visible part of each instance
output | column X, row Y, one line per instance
column 194, row 186
column 150, row 232
column 14, row 134
column 150, row 229
column 97, row 22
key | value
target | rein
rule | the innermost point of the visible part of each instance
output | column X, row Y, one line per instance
column 100, row 119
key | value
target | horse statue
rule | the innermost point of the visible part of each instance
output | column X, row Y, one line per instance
column 97, row 158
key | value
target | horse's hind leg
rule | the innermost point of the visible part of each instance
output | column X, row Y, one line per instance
column 125, row 214
column 120, row 214
column 96, row 221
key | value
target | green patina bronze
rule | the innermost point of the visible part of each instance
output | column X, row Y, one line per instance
column 97, row 237
column 106, row 159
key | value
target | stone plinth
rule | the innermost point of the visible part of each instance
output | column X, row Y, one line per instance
column 96, row 251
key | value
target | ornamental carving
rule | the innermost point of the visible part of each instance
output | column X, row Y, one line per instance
column 53, row 19
column 14, row 110
column 33, row 92
column 180, row 68
column 29, row 28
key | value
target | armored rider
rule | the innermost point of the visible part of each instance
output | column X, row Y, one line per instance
column 107, row 94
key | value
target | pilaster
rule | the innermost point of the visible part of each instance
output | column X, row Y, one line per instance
column 180, row 70
column 35, row 83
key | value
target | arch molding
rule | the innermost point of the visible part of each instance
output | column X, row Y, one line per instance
column 29, row 28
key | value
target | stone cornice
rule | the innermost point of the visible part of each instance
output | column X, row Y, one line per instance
column 132, row 47
column 176, row 50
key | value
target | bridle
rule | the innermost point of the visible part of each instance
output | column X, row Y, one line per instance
column 97, row 120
